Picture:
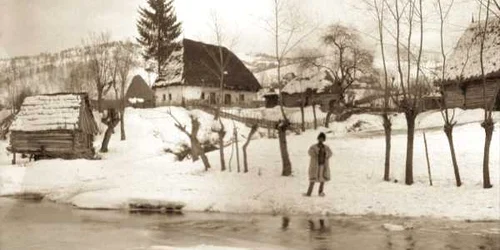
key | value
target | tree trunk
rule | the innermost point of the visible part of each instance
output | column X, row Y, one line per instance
column 105, row 141
column 410, row 122
column 387, row 130
column 303, row 122
column 99, row 100
column 195, row 151
column 314, row 115
column 203, row 156
column 488, row 126
column 245, row 157
column 448, row 130
column 222, row 133
column 122, row 125
column 111, row 121
column 285, row 157
column 328, row 117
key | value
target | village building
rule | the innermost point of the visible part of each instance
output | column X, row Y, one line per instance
column 54, row 126
column 464, row 86
column 139, row 94
column 317, row 89
column 192, row 76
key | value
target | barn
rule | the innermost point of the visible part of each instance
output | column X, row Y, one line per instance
column 191, row 75
column 463, row 87
column 54, row 126
column 139, row 94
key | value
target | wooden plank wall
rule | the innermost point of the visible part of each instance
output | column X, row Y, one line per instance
column 473, row 95
column 64, row 144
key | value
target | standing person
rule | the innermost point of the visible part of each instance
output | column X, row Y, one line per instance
column 319, row 169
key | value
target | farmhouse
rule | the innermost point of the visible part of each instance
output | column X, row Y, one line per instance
column 139, row 94
column 191, row 75
column 54, row 126
column 317, row 89
column 464, row 86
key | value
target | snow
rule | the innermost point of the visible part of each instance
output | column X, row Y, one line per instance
column 40, row 113
column 200, row 247
column 465, row 59
column 393, row 227
column 139, row 169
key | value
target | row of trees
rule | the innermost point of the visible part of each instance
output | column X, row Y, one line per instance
column 347, row 63
column 108, row 68
column 406, row 17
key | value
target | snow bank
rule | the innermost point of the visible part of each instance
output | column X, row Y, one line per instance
column 201, row 247
column 139, row 169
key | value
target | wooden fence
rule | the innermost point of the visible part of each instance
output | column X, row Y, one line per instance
column 250, row 119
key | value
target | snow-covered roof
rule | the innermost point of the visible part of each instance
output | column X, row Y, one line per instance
column 49, row 112
column 172, row 74
column 316, row 82
column 464, row 62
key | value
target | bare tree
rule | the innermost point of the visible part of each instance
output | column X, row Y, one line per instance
column 410, row 82
column 346, row 63
column 220, row 58
column 378, row 8
column 124, row 61
column 99, row 62
column 288, row 29
column 196, row 148
column 488, row 123
column 449, row 122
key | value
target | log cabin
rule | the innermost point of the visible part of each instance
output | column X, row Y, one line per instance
column 54, row 126
column 463, row 87
column 192, row 75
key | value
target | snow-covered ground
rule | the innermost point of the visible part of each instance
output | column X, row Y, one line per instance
column 139, row 168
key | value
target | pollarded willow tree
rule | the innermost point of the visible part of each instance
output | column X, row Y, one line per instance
column 159, row 31
column 448, row 118
column 488, row 124
column 408, row 16
column 378, row 8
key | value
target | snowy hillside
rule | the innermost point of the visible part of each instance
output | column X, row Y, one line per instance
column 55, row 72
column 139, row 168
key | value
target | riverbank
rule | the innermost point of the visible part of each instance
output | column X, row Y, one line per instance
column 62, row 227
column 139, row 168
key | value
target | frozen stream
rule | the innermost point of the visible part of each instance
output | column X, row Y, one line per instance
column 43, row 225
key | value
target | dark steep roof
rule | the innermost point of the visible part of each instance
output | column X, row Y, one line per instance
column 139, row 89
column 196, row 64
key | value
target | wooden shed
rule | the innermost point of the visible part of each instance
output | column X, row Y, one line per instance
column 464, row 85
column 54, row 126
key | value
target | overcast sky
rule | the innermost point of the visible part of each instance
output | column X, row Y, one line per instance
column 33, row 26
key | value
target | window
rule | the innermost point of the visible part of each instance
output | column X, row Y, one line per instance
column 164, row 97
column 242, row 98
column 227, row 99
column 212, row 99
column 170, row 97
column 202, row 95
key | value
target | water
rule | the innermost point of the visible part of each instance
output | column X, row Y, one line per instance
column 44, row 225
